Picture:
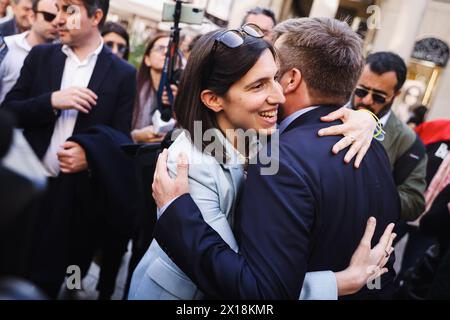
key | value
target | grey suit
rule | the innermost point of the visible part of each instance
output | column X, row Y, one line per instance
column 215, row 188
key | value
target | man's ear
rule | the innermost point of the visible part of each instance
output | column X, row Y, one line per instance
column 291, row 80
column 98, row 16
column 211, row 100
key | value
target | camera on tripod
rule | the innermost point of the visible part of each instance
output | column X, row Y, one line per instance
column 178, row 12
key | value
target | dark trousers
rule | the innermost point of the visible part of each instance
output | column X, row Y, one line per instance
column 415, row 247
column 112, row 249
column 63, row 234
column 440, row 287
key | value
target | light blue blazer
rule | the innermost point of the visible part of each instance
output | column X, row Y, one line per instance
column 214, row 188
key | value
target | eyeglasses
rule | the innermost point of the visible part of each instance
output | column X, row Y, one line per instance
column 121, row 48
column 159, row 49
column 49, row 17
column 362, row 92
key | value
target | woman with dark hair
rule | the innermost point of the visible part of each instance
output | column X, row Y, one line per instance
column 229, row 85
column 117, row 39
column 149, row 76
column 417, row 117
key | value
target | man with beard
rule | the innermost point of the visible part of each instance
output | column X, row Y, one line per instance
column 380, row 83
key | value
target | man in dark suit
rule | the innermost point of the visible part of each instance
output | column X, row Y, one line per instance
column 310, row 215
column 21, row 21
column 62, row 90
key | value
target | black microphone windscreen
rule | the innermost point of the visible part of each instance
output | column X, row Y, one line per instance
column 166, row 114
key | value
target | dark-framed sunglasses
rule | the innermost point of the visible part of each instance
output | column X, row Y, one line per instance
column 49, row 17
column 121, row 48
column 234, row 38
column 362, row 92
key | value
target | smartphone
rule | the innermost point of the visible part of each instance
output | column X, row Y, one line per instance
column 190, row 14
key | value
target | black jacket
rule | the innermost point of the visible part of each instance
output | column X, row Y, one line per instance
column 113, row 80
column 113, row 175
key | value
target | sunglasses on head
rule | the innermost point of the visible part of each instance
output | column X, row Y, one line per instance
column 121, row 48
column 234, row 38
column 49, row 17
column 362, row 92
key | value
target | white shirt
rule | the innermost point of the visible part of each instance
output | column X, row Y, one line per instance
column 18, row 49
column 76, row 74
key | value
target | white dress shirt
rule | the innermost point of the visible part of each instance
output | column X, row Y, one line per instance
column 76, row 74
column 18, row 49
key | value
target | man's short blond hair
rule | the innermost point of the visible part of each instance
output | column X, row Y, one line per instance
column 327, row 52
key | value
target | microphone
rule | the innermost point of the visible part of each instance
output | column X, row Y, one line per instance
column 160, row 125
column 166, row 113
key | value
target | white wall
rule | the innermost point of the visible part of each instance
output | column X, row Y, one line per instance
column 400, row 22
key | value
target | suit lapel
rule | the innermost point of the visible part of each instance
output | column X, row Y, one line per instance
column 59, row 61
column 98, row 75
column 100, row 70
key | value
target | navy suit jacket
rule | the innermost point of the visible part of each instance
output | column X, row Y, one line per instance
column 113, row 80
column 310, row 216
column 8, row 28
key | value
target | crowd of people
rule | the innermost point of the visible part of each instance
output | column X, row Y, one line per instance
column 207, row 216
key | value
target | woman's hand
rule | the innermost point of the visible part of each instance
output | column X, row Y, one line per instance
column 165, row 96
column 164, row 188
column 357, row 128
column 366, row 263
column 146, row 134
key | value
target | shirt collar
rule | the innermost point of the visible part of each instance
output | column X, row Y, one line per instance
column 287, row 121
column 69, row 52
column 21, row 41
column 385, row 118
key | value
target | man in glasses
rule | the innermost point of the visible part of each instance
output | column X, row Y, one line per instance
column 380, row 83
column 117, row 39
column 43, row 30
